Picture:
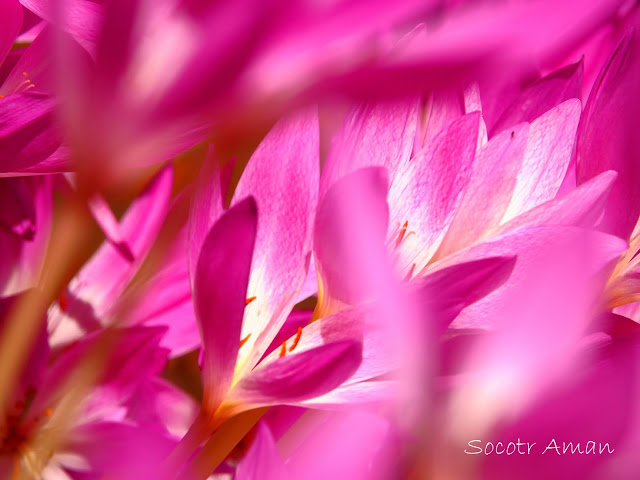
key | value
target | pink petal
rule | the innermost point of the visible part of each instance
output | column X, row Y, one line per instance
column 442, row 109
column 582, row 207
column 139, row 451
column 299, row 376
column 220, row 292
column 426, row 192
column 531, row 244
column 206, row 206
column 341, row 221
column 372, row 135
column 18, row 217
column 548, row 154
column 607, row 136
column 282, row 176
column 107, row 221
column 594, row 405
column 136, row 358
column 440, row 296
column 106, row 275
column 166, row 301
column 263, row 460
column 27, row 136
column 490, row 189
column 82, row 18
column 23, row 259
column 541, row 96
column 349, row 396
column 356, row 438
column 34, row 67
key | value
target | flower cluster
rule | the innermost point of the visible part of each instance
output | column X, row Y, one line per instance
column 349, row 239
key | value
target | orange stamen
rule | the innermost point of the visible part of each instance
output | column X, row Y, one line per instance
column 63, row 301
column 283, row 349
column 249, row 300
column 244, row 340
column 402, row 232
column 48, row 412
column 296, row 340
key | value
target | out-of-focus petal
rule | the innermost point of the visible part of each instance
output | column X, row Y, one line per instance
column 336, row 246
column 81, row 18
column 220, row 293
column 299, row 376
column 108, row 272
column 139, row 451
column 263, row 460
column 607, row 137
column 165, row 300
column 282, row 176
column 18, row 217
column 206, row 206
column 357, row 438
column 10, row 24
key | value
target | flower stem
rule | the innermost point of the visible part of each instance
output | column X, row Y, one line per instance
column 220, row 445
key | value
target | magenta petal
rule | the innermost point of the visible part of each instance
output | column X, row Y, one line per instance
column 220, row 292
column 18, row 216
column 82, row 18
column 10, row 23
column 300, row 376
column 282, row 176
column 608, row 137
column 542, row 96
column 262, row 461
column 27, row 136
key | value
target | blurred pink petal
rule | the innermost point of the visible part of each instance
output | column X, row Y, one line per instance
column 263, row 461
column 607, row 139
column 9, row 25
